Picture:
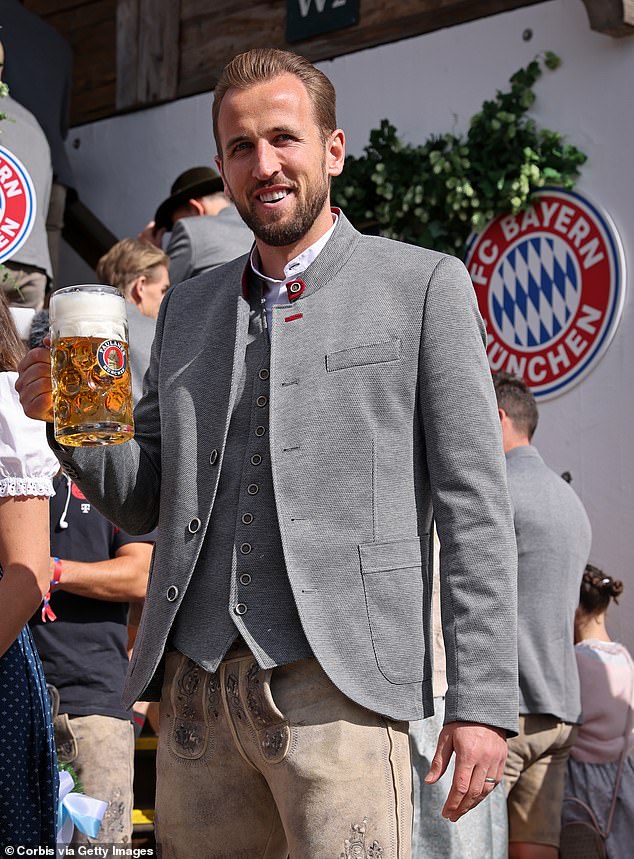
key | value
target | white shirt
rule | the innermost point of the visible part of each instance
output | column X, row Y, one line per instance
column 27, row 464
column 275, row 290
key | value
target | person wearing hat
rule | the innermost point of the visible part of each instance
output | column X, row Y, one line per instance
column 206, row 230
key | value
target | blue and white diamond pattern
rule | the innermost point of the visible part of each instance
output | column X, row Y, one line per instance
column 535, row 291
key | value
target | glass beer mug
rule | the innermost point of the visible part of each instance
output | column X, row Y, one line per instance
column 92, row 390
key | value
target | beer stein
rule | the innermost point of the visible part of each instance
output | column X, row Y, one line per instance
column 92, row 390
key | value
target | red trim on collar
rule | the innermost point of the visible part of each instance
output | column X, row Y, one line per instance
column 294, row 289
column 293, row 317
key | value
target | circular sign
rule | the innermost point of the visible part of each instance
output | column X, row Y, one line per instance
column 550, row 283
column 17, row 204
column 111, row 357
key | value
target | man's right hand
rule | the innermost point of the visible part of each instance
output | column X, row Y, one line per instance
column 34, row 384
column 150, row 233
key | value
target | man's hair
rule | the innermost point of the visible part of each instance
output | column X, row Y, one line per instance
column 264, row 64
column 515, row 398
column 127, row 260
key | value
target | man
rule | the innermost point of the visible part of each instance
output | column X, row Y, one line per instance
column 28, row 271
column 81, row 636
column 553, row 543
column 206, row 230
column 289, row 446
column 139, row 271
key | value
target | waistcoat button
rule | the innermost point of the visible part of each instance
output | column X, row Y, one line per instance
column 264, row 373
column 213, row 457
column 245, row 548
column 256, row 459
column 241, row 608
column 194, row 525
column 253, row 489
column 172, row 593
column 247, row 518
column 245, row 579
column 259, row 431
column 262, row 401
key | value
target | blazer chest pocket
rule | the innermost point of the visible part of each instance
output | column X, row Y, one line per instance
column 393, row 584
column 369, row 353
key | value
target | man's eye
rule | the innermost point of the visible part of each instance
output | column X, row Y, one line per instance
column 240, row 147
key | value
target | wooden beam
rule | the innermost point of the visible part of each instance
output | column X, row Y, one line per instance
column 612, row 17
column 159, row 30
column 127, row 52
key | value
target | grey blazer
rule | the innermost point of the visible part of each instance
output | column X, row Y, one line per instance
column 200, row 243
column 381, row 401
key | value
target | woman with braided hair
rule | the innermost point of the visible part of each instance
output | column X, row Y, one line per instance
column 600, row 784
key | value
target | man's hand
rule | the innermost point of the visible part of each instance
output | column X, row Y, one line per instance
column 150, row 234
column 34, row 384
column 480, row 755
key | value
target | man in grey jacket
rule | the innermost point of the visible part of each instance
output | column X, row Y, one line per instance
column 205, row 228
column 553, row 542
column 289, row 446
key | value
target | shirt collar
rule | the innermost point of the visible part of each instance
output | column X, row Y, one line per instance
column 299, row 263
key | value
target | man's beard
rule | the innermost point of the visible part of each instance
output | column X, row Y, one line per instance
column 281, row 234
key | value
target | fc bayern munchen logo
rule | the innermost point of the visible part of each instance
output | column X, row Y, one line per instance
column 17, row 204
column 111, row 357
column 550, row 283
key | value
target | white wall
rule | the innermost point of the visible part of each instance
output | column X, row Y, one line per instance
column 431, row 84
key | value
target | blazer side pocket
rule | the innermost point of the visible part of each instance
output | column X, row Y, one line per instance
column 393, row 584
column 369, row 353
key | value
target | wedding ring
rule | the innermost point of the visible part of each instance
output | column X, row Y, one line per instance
column 491, row 780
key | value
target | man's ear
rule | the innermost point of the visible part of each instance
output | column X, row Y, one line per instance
column 196, row 206
column 335, row 152
column 137, row 288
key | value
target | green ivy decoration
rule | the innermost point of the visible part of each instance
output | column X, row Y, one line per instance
column 437, row 194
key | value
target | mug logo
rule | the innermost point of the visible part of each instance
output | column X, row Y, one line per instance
column 17, row 204
column 111, row 357
column 550, row 283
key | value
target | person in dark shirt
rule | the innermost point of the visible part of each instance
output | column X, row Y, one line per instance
column 81, row 634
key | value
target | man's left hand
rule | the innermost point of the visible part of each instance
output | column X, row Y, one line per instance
column 480, row 755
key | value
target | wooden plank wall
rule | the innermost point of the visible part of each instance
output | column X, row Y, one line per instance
column 131, row 54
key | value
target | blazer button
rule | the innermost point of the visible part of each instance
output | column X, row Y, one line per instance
column 245, row 579
column 259, row 431
column 262, row 401
column 194, row 526
column 213, row 457
column 241, row 608
column 253, row 489
column 172, row 593
column 263, row 374
column 247, row 518
column 256, row 459
column 245, row 548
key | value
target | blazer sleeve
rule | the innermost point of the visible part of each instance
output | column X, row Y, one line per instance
column 123, row 481
column 478, row 566
column 180, row 252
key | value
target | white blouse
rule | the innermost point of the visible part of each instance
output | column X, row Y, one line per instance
column 27, row 464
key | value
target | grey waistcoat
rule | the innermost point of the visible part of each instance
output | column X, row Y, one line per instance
column 240, row 584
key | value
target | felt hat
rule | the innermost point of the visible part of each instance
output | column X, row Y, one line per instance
column 195, row 182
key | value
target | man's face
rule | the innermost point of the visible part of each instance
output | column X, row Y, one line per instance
column 274, row 161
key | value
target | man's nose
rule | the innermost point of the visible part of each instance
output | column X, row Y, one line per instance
column 267, row 162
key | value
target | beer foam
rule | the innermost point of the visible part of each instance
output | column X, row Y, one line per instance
column 88, row 314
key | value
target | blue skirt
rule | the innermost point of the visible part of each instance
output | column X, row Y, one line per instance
column 29, row 779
